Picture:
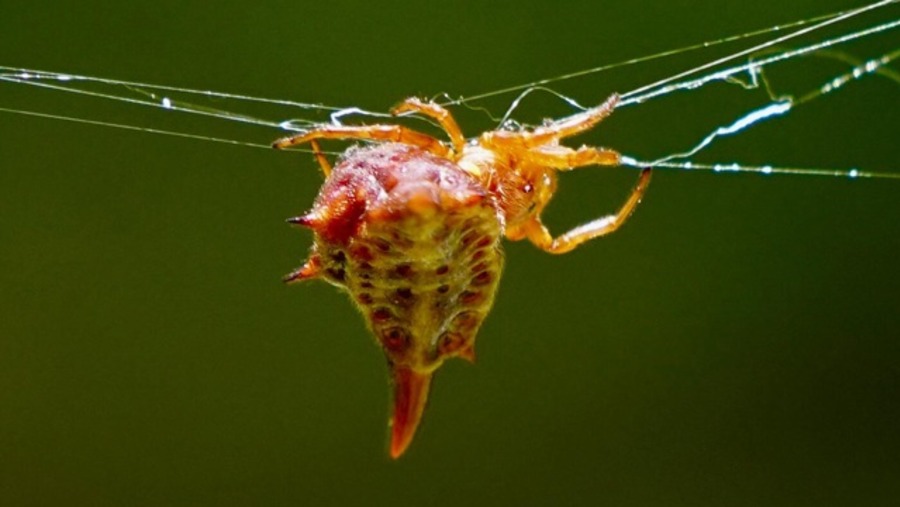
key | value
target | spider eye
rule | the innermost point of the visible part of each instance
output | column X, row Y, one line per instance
column 527, row 188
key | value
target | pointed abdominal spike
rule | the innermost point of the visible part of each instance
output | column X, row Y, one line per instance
column 468, row 353
column 307, row 220
column 309, row 270
column 410, row 396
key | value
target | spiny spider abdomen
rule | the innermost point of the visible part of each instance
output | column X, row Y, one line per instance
column 415, row 241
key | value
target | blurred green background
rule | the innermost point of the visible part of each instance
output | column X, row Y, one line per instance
column 735, row 344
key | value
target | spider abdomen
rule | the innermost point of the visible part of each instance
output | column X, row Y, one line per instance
column 415, row 241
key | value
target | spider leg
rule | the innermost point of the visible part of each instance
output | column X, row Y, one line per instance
column 438, row 114
column 320, row 157
column 552, row 133
column 395, row 133
column 565, row 158
column 575, row 124
column 539, row 235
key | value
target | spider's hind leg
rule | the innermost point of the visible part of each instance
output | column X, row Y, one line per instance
column 320, row 157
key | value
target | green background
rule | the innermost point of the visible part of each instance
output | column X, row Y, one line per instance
column 735, row 344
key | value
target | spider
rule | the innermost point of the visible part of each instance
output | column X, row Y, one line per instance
column 410, row 227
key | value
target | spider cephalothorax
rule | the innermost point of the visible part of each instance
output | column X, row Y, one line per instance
column 411, row 229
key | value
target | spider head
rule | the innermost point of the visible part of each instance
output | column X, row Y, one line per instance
column 524, row 197
column 521, row 187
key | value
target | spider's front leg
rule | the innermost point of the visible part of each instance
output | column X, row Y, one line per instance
column 395, row 133
column 552, row 133
column 566, row 159
column 538, row 234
